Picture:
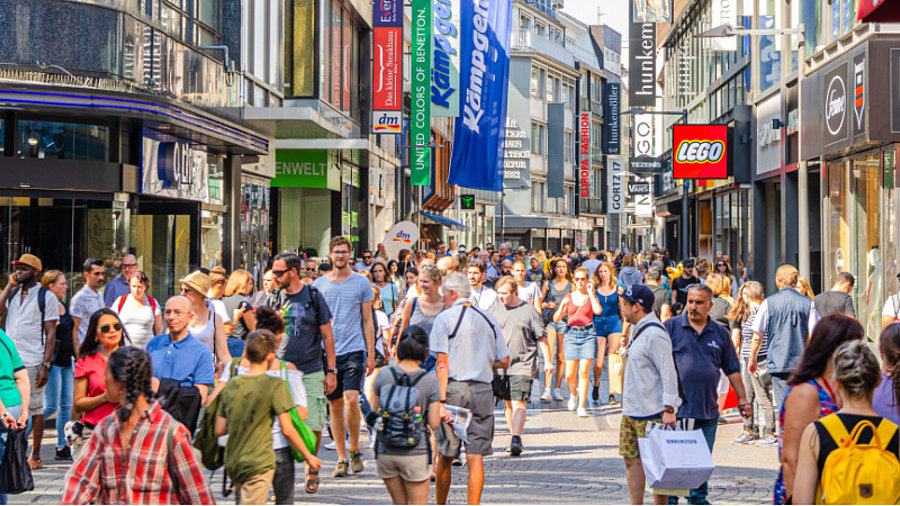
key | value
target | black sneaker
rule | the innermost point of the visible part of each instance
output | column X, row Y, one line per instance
column 515, row 447
column 595, row 393
column 63, row 453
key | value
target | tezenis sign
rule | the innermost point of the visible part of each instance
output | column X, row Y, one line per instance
column 701, row 151
column 584, row 172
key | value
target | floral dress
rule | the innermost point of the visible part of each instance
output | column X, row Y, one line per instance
column 827, row 407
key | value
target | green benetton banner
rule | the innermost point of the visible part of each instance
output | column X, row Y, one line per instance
column 420, row 109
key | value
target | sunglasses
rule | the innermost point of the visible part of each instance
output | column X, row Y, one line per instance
column 366, row 257
column 108, row 328
column 129, row 265
column 278, row 273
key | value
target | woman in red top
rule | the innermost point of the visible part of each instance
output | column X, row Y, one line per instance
column 105, row 335
column 580, row 346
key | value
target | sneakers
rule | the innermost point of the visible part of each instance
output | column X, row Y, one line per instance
column 333, row 446
column 723, row 420
column 557, row 396
column 340, row 471
column 744, row 439
column 767, row 440
column 515, row 447
column 546, row 395
column 612, row 400
column 595, row 393
column 582, row 413
column 572, row 401
column 63, row 453
column 356, row 463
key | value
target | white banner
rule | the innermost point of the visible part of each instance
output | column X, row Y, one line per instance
column 644, row 144
column 615, row 174
column 723, row 12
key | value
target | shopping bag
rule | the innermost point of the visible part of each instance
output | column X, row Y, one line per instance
column 15, row 475
column 306, row 434
column 675, row 458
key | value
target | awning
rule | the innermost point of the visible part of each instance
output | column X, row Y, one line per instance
column 878, row 11
column 443, row 220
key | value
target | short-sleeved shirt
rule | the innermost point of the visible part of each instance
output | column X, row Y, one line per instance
column 390, row 296
column 84, row 304
column 250, row 415
column 591, row 265
column 115, row 289
column 188, row 360
column 232, row 303
column 93, row 368
column 884, row 401
column 137, row 319
column 522, row 328
column 10, row 363
column 477, row 345
column 747, row 337
column 429, row 391
column 530, row 292
column 345, row 300
column 484, row 298
column 698, row 358
column 891, row 308
column 834, row 301
column 661, row 297
column 302, row 341
column 23, row 323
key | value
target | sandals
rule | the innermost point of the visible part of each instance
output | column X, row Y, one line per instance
column 35, row 464
column 311, row 483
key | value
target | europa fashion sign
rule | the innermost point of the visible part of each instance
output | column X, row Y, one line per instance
column 387, row 66
column 584, row 171
column 701, row 151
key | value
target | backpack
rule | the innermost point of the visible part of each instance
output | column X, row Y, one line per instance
column 858, row 473
column 401, row 414
column 211, row 454
column 121, row 304
column 42, row 304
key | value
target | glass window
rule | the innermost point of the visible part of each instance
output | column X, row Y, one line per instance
column 63, row 141
column 300, row 52
column 866, row 180
column 891, row 225
column 535, row 82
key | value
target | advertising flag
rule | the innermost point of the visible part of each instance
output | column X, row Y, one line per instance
column 420, row 107
column 387, row 66
column 445, row 74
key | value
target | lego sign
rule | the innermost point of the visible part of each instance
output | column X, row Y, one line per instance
column 701, row 151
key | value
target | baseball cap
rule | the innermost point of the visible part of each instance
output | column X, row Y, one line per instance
column 30, row 260
column 461, row 248
column 640, row 294
column 688, row 262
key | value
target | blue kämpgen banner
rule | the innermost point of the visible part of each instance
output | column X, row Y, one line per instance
column 477, row 159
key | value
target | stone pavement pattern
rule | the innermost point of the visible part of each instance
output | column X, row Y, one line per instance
column 567, row 460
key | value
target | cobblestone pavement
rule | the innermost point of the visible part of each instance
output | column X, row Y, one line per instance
column 567, row 460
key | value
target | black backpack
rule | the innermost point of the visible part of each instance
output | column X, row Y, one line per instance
column 402, row 417
column 42, row 304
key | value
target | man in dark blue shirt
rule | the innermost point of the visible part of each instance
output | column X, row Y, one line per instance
column 701, row 348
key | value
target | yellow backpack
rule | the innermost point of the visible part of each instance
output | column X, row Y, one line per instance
column 858, row 473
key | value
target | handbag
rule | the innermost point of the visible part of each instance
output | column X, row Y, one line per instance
column 306, row 434
column 15, row 475
column 675, row 459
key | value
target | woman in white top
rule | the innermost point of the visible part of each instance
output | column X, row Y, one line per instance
column 206, row 325
column 139, row 312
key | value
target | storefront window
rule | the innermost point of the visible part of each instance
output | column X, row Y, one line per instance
column 63, row 141
column 216, row 177
column 890, row 225
column 255, row 229
column 838, row 225
column 309, row 227
column 212, row 236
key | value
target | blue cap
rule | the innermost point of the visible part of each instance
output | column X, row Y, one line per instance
column 640, row 294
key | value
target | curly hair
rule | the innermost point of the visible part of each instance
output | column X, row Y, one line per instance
column 131, row 366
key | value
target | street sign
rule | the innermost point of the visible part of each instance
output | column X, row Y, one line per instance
column 467, row 202
column 639, row 188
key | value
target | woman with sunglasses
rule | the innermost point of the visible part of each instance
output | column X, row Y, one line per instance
column 140, row 313
column 723, row 269
column 105, row 335
column 580, row 347
column 554, row 291
column 206, row 325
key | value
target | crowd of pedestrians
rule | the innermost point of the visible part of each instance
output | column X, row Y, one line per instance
column 337, row 346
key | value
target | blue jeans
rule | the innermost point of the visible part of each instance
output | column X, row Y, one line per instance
column 15, row 411
column 58, row 396
column 698, row 495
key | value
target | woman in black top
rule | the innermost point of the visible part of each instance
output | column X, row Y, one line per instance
column 58, row 393
column 857, row 373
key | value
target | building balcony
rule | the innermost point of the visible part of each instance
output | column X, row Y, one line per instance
column 527, row 41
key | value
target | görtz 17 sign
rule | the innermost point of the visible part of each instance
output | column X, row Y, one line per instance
column 701, row 151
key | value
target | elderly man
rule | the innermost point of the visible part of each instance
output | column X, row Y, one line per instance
column 120, row 286
column 469, row 345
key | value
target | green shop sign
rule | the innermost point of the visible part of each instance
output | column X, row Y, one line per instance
column 302, row 168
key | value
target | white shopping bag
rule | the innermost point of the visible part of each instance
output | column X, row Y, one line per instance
column 675, row 459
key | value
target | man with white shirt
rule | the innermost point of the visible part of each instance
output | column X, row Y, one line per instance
column 87, row 300
column 482, row 297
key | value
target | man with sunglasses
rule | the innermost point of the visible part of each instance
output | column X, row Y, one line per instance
column 683, row 283
column 366, row 264
column 31, row 324
column 121, row 285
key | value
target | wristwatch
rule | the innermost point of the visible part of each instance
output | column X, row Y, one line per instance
column 669, row 409
column 332, row 371
column 48, row 365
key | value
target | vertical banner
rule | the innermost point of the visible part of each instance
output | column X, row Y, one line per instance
column 642, row 60
column 615, row 180
column 477, row 160
column 420, row 107
column 445, row 74
column 611, row 128
column 584, row 153
column 643, row 207
column 556, row 146
column 387, row 66
column 723, row 12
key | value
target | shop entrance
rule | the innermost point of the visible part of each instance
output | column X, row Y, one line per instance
column 165, row 235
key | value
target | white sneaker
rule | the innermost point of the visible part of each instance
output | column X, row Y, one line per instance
column 546, row 395
column 557, row 396
column 333, row 446
column 572, row 401
column 582, row 413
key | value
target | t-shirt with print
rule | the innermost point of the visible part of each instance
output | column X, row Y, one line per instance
column 250, row 415
column 84, row 303
column 10, row 363
column 344, row 300
column 297, row 390
column 23, row 323
column 429, row 391
column 302, row 341
column 93, row 368
column 522, row 328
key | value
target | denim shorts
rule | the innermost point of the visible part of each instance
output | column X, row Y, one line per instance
column 580, row 344
column 560, row 327
column 606, row 325
column 351, row 371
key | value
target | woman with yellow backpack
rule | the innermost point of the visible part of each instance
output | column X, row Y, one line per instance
column 850, row 457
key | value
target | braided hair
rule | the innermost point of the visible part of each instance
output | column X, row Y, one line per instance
column 131, row 365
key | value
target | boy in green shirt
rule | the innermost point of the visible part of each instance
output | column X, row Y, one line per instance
column 244, row 407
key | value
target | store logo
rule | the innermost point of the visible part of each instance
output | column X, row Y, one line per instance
column 403, row 237
column 700, row 151
column 388, row 122
column 859, row 88
column 835, row 105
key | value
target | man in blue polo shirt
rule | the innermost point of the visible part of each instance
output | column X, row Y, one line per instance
column 701, row 348
column 178, row 355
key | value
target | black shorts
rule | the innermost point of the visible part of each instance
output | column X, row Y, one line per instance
column 351, row 371
column 516, row 387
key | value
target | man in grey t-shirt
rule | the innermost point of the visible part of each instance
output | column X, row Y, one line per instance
column 523, row 331
column 838, row 299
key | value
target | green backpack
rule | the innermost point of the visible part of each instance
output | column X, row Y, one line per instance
column 212, row 455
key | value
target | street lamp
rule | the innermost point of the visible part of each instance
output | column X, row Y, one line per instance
column 802, row 169
column 686, row 184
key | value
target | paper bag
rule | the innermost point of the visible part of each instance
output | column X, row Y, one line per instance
column 675, row 458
